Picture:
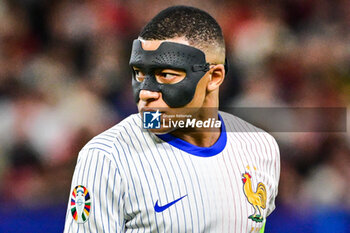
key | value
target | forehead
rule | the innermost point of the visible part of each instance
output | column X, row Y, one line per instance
column 154, row 44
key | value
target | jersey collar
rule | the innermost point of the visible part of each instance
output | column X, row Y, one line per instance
column 197, row 150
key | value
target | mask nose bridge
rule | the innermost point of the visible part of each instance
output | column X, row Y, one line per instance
column 150, row 83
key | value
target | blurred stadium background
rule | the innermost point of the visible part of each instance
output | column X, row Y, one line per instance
column 64, row 77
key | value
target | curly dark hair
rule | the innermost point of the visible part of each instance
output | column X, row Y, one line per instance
column 197, row 26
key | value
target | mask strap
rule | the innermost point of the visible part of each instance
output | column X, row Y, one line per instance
column 206, row 67
column 201, row 67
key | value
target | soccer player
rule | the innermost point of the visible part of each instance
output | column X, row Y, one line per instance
column 175, row 176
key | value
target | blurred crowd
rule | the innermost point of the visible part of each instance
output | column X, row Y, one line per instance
column 64, row 77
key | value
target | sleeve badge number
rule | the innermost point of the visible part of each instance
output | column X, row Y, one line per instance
column 80, row 204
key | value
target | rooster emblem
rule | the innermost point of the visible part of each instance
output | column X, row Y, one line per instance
column 257, row 199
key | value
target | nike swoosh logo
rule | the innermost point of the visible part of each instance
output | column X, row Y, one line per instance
column 159, row 209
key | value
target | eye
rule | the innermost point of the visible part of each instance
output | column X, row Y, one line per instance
column 139, row 75
column 170, row 76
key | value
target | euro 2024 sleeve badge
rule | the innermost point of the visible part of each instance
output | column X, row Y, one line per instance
column 80, row 204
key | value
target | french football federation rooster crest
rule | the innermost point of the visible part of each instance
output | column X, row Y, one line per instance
column 257, row 199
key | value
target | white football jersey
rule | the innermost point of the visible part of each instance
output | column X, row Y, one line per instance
column 128, row 179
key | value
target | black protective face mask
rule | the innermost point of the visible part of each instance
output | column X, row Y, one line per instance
column 169, row 55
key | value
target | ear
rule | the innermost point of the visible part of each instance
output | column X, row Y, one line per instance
column 217, row 73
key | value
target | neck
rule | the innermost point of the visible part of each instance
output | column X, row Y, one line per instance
column 203, row 137
column 199, row 137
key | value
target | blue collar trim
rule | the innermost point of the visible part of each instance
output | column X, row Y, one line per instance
column 197, row 150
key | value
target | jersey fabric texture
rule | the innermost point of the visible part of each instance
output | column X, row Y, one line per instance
column 140, row 182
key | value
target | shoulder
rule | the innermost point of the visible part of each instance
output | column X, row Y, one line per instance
column 247, row 132
column 119, row 136
column 236, row 124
